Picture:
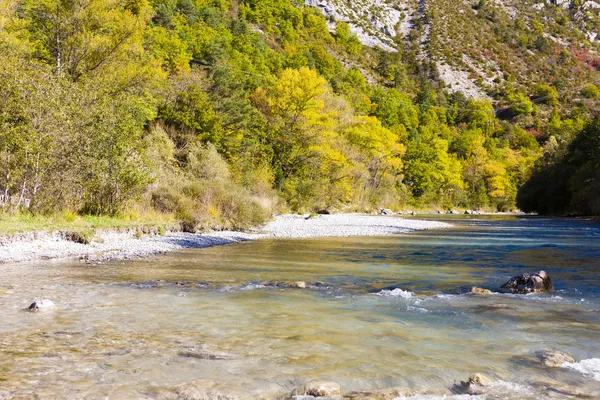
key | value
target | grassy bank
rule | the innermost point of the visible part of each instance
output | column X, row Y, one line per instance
column 26, row 222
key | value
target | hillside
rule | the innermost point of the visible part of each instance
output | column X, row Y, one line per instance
column 482, row 47
column 218, row 113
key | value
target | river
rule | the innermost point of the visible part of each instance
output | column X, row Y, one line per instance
column 374, row 315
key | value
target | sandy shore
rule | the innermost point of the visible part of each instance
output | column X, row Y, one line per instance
column 124, row 245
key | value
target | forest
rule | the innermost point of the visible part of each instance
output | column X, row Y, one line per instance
column 220, row 113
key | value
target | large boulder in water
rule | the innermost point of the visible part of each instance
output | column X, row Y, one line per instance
column 527, row 283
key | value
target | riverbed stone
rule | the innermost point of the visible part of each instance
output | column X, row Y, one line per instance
column 42, row 305
column 475, row 385
column 320, row 389
column 291, row 284
column 381, row 394
column 554, row 358
column 207, row 355
column 468, row 289
column 528, row 283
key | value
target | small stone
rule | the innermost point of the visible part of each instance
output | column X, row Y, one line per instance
column 554, row 358
column 42, row 305
column 475, row 289
column 475, row 385
column 321, row 389
column 468, row 289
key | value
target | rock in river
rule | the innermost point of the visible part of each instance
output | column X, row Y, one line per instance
column 554, row 358
column 476, row 384
column 320, row 389
column 42, row 305
column 468, row 289
column 527, row 283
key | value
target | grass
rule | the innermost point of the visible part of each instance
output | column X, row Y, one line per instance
column 26, row 222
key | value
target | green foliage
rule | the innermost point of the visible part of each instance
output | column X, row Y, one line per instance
column 519, row 104
column 547, row 95
column 590, row 91
column 567, row 181
column 217, row 114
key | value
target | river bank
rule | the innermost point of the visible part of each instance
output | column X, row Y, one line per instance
column 131, row 243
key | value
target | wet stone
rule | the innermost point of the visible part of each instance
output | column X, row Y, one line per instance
column 41, row 305
column 319, row 389
column 528, row 283
column 475, row 385
column 468, row 289
column 554, row 358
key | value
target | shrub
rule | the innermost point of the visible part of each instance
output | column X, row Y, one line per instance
column 590, row 91
column 81, row 237
column 166, row 199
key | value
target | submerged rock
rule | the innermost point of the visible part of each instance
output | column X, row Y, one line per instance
column 381, row 394
column 475, row 385
column 42, row 305
column 527, row 283
column 319, row 389
column 468, row 289
column 291, row 284
column 554, row 358
column 206, row 355
column 203, row 389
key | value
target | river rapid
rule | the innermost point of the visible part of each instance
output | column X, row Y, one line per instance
column 375, row 314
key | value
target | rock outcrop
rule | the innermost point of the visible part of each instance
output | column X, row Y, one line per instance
column 528, row 283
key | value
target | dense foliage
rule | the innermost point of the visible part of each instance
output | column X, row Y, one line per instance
column 567, row 181
column 219, row 112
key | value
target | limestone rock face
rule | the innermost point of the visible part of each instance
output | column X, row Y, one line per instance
column 527, row 283
column 554, row 358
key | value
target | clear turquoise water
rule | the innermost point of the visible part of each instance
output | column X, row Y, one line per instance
column 126, row 329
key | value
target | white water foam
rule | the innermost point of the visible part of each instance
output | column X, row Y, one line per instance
column 496, row 390
column 417, row 309
column 252, row 286
column 405, row 294
column 589, row 367
column 442, row 397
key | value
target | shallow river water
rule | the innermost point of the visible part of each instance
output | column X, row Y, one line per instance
column 378, row 318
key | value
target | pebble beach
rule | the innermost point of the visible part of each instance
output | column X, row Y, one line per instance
column 111, row 245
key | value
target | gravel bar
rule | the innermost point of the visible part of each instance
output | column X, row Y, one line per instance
column 124, row 245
